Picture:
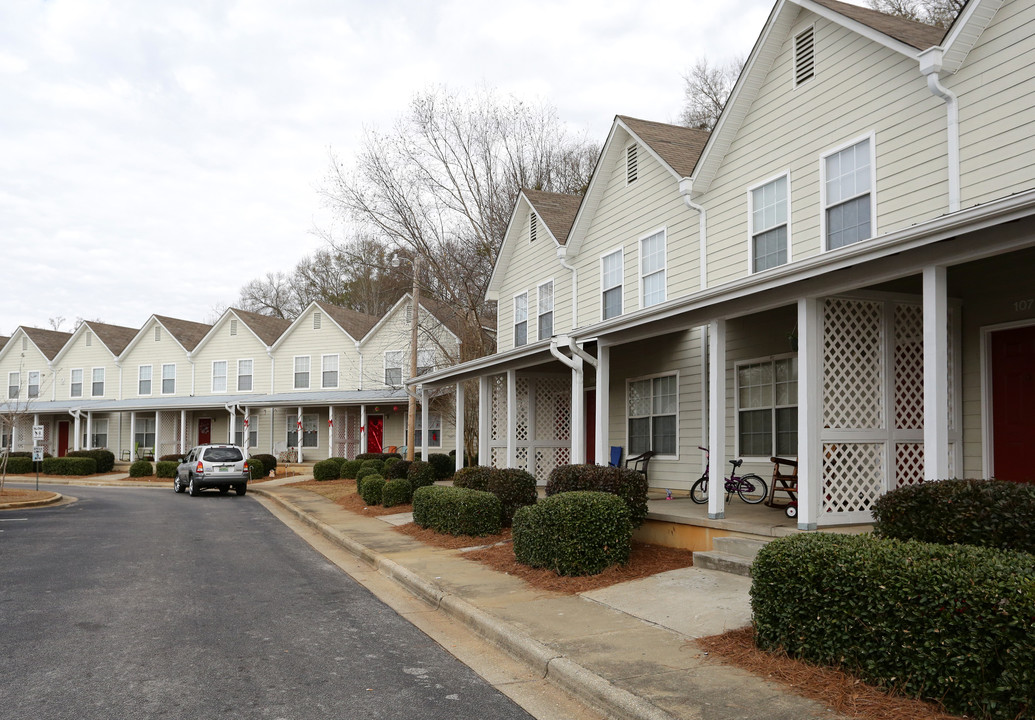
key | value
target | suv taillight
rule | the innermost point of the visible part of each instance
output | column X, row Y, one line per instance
column 246, row 466
column 200, row 469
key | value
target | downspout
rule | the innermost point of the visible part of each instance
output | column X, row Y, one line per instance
column 576, row 350
column 574, row 288
column 578, row 383
column 931, row 67
column 686, row 189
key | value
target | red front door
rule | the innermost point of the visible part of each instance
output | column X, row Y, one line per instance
column 1013, row 396
column 62, row 439
column 204, row 431
column 375, row 433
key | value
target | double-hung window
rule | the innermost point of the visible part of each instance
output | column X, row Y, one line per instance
column 34, row 383
column 767, row 407
column 329, row 371
column 520, row 319
column 611, row 284
column 143, row 380
column 168, row 378
column 144, row 434
column 97, row 390
column 244, row 375
column 393, row 368
column 14, row 384
column 425, row 361
column 98, row 434
column 769, row 225
column 544, row 308
column 847, row 185
column 653, row 404
column 302, row 372
column 434, row 428
column 253, row 432
column 75, row 383
column 652, row 269
column 219, row 376
column 310, row 431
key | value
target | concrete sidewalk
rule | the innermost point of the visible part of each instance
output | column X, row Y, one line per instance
column 627, row 650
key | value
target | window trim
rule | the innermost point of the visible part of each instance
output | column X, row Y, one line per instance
column 28, row 384
column 823, row 207
column 17, row 386
column 93, row 381
column 663, row 231
column 253, row 429
column 418, row 428
column 324, row 371
column 385, row 367
column 72, row 382
column 308, row 372
column 620, row 251
column 751, row 221
column 513, row 318
column 94, row 445
column 292, row 422
column 173, row 366
column 225, row 376
column 772, row 359
column 150, row 380
column 538, row 308
column 250, row 375
column 653, row 376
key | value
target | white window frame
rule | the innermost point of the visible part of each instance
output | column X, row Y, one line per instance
column 308, row 420
column 98, row 439
column 871, row 138
column 29, row 393
column 620, row 251
column 629, row 381
column 753, row 231
column 141, row 379
column 173, row 378
column 72, row 383
column 773, row 407
column 16, row 387
column 250, row 375
column 434, row 422
column 94, row 381
column 224, row 376
column 145, row 426
column 539, row 314
column 393, row 366
column 308, row 372
column 663, row 271
column 324, row 370
column 253, row 432
column 518, row 323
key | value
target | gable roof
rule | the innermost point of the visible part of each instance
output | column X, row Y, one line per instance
column 910, row 32
column 114, row 337
column 3, row 341
column 266, row 327
column 48, row 342
column 186, row 333
column 451, row 318
column 678, row 147
column 557, row 210
column 356, row 324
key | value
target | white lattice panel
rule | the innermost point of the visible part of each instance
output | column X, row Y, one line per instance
column 553, row 409
column 168, row 426
column 521, row 421
column 23, row 434
column 499, row 457
column 498, row 425
column 909, row 463
column 853, row 476
column 909, row 367
column 546, row 459
column 46, row 440
column 853, row 364
column 521, row 457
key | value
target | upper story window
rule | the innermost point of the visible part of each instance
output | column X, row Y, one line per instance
column 302, row 372
column 97, row 390
column 631, row 164
column 14, row 384
column 393, row 367
column 544, row 307
column 144, row 380
column 769, row 225
column 520, row 319
column 168, row 378
column 533, row 226
column 244, row 375
column 75, row 383
column 34, row 383
column 219, row 376
column 848, row 197
column 804, row 55
column 653, row 404
column 652, row 269
column 611, row 284
column 767, row 407
column 329, row 371
column 425, row 361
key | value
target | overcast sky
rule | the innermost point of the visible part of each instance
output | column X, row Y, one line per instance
column 155, row 156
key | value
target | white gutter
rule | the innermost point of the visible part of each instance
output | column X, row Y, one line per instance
column 931, row 67
column 576, row 350
column 574, row 286
column 686, row 189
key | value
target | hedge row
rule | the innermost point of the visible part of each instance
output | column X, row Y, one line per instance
column 629, row 485
column 377, row 456
column 105, row 459
column 166, row 468
column 515, row 488
column 18, row 465
column 456, row 511
column 988, row 513
column 69, row 466
column 949, row 623
column 141, row 468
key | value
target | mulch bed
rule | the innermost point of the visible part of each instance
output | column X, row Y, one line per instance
column 20, row 495
column 343, row 493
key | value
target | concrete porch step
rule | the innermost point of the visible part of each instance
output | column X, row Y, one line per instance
column 730, row 554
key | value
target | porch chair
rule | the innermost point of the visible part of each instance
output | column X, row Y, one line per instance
column 784, row 481
column 616, row 456
column 125, row 456
column 641, row 461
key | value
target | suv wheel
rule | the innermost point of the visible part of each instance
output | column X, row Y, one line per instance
column 192, row 489
column 241, row 489
column 177, row 488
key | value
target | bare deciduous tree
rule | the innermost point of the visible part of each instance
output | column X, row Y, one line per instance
column 939, row 13
column 706, row 89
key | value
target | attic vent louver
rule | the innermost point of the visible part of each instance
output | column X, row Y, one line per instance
column 533, row 229
column 630, row 164
column 233, row 326
column 89, row 339
column 804, row 56
column 158, row 334
column 316, row 320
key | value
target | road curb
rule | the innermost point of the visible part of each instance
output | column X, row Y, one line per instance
column 23, row 504
column 588, row 686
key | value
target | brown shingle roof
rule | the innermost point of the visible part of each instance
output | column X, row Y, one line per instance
column 49, row 342
column 115, row 337
column 678, row 146
column 3, row 341
column 451, row 317
column 912, row 33
column 557, row 210
column 356, row 324
column 267, row 327
column 188, row 333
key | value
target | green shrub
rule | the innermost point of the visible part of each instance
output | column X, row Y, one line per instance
column 20, row 465
column 953, row 623
column 420, row 474
column 365, row 472
column 26, row 454
column 269, row 462
column 105, row 458
column 456, row 511
column 377, row 456
column 475, row 477
column 166, row 468
column 397, row 470
column 256, row 470
column 371, row 488
column 141, row 468
column 326, row 470
column 397, row 492
column 389, row 462
column 515, row 489
column 443, row 464
column 627, row 484
column 349, row 469
column 378, row 465
column 574, row 533
column 69, row 466
column 989, row 513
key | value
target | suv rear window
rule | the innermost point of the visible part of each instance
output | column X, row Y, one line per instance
column 223, row 455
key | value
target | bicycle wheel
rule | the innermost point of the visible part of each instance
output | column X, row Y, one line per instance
column 752, row 489
column 699, row 491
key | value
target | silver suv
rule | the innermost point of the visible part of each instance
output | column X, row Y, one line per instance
column 213, row 466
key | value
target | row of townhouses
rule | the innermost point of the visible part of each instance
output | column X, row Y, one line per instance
column 842, row 271
column 330, row 383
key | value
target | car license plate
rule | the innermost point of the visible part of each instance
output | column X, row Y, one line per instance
column 224, row 468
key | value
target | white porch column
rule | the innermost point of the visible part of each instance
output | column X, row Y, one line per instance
column 132, row 434
column 89, row 430
column 362, row 428
column 460, row 425
column 298, row 433
column 578, row 411
column 233, row 425
column 810, row 390
column 246, row 421
column 424, row 429
column 717, row 418
column 936, row 373
column 511, row 418
column 158, row 435
column 330, row 431
column 484, row 420
column 183, row 432
column 603, row 409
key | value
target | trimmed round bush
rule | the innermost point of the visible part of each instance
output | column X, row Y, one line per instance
column 389, row 462
column 105, row 459
column 574, row 533
column 349, row 468
column 256, row 470
column 456, row 511
column 70, row 466
column 326, row 470
column 141, row 468
column 443, row 464
column 378, row 465
column 626, row 483
column 515, row 489
column 166, row 468
column 371, row 489
column 397, row 470
column 475, row 477
column 396, row 492
column 269, row 462
column 365, row 472
column 420, row 474
column 19, row 465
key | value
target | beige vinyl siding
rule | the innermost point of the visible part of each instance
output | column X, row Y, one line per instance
column 145, row 351
column 33, row 360
column 302, row 339
column 88, row 358
column 221, row 345
column 860, row 88
column 995, row 86
column 394, row 335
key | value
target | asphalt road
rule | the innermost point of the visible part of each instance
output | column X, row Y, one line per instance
column 145, row 604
